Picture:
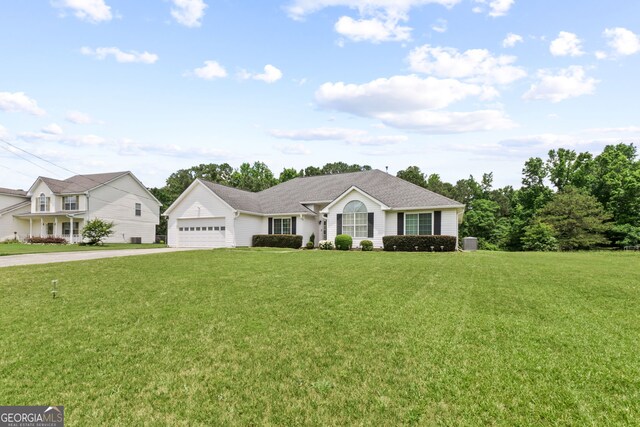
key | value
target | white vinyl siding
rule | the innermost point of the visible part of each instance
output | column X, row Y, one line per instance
column 372, row 206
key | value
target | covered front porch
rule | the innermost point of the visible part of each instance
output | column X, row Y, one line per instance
column 55, row 224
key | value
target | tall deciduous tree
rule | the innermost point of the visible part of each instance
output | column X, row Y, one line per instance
column 287, row 174
column 566, row 167
column 256, row 177
column 414, row 175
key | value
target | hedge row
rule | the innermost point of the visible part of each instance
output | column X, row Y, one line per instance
column 419, row 243
column 55, row 240
column 293, row 241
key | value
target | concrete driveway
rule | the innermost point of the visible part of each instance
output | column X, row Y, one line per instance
column 28, row 259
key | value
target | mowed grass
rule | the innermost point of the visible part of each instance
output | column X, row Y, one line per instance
column 26, row 248
column 277, row 337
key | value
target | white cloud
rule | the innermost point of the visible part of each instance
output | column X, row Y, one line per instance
column 52, row 129
column 567, row 83
column 298, row 9
column 19, row 102
column 72, row 140
column 373, row 30
column 293, row 149
column 209, row 71
column 350, row 136
column 271, row 74
column 616, row 130
column 3, row 131
column 87, row 10
column 567, row 44
column 496, row 7
column 129, row 147
column 440, row 26
column 188, row 12
column 120, row 56
column 511, row 40
column 408, row 102
column 623, row 41
column 78, row 118
column 601, row 54
column 476, row 65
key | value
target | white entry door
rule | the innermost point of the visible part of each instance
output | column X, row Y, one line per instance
column 202, row 233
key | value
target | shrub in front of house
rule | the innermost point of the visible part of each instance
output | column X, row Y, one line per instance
column 343, row 242
column 47, row 240
column 325, row 245
column 366, row 245
column 309, row 245
column 293, row 241
column 419, row 243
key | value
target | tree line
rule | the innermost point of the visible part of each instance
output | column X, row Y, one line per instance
column 567, row 201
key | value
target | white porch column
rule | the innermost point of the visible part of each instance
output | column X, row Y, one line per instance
column 41, row 225
column 71, row 230
column 55, row 227
column 30, row 227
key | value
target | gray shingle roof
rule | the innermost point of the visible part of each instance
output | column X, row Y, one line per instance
column 286, row 197
column 14, row 207
column 80, row 183
column 12, row 192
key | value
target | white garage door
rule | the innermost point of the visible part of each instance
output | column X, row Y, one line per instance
column 201, row 233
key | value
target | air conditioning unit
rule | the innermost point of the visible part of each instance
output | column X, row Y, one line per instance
column 136, row 240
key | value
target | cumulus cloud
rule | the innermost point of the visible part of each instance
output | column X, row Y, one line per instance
column 476, row 65
column 129, row 147
column 79, row 118
column 566, row 44
column 188, row 12
column 567, row 83
column 350, row 136
column 511, row 40
column 410, row 102
column 271, row 74
column 293, row 149
column 496, row 7
column 373, row 30
column 14, row 102
column 209, row 71
column 379, row 20
column 93, row 11
column 120, row 56
column 52, row 129
column 440, row 26
column 624, row 42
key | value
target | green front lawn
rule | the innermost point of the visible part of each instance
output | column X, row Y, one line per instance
column 278, row 337
column 25, row 248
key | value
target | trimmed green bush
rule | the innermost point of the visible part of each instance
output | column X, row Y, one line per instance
column 312, row 239
column 309, row 245
column 367, row 245
column 47, row 240
column 419, row 243
column 343, row 242
column 293, row 241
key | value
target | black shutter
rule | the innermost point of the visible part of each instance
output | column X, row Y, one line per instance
column 370, row 224
column 339, row 229
column 400, row 223
column 437, row 223
column 270, row 221
column 293, row 225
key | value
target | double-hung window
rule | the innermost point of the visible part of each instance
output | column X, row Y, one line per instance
column 70, row 203
column 138, row 209
column 418, row 224
column 282, row 226
column 66, row 228
column 355, row 219
column 43, row 203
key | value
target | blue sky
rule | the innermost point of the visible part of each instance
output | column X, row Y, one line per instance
column 456, row 87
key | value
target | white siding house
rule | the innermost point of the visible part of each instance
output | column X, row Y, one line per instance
column 366, row 205
column 60, row 208
column 12, row 202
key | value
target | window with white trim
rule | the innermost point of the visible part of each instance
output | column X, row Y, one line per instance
column 43, row 203
column 66, row 227
column 282, row 226
column 138, row 209
column 355, row 219
column 418, row 223
column 70, row 203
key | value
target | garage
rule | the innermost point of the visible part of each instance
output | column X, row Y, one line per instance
column 201, row 233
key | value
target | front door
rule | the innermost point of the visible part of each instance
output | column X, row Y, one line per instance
column 50, row 229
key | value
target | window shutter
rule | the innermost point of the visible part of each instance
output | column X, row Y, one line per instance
column 339, row 228
column 293, row 225
column 400, row 223
column 370, row 224
column 437, row 223
column 270, row 222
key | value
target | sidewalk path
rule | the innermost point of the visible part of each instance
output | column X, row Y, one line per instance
column 46, row 258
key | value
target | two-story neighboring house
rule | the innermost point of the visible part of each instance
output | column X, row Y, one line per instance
column 13, row 202
column 60, row 208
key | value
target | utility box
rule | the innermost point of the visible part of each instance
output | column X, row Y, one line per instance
column 470, row 243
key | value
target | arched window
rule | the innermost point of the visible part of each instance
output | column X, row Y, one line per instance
column 355, row 219
column 43, row 203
